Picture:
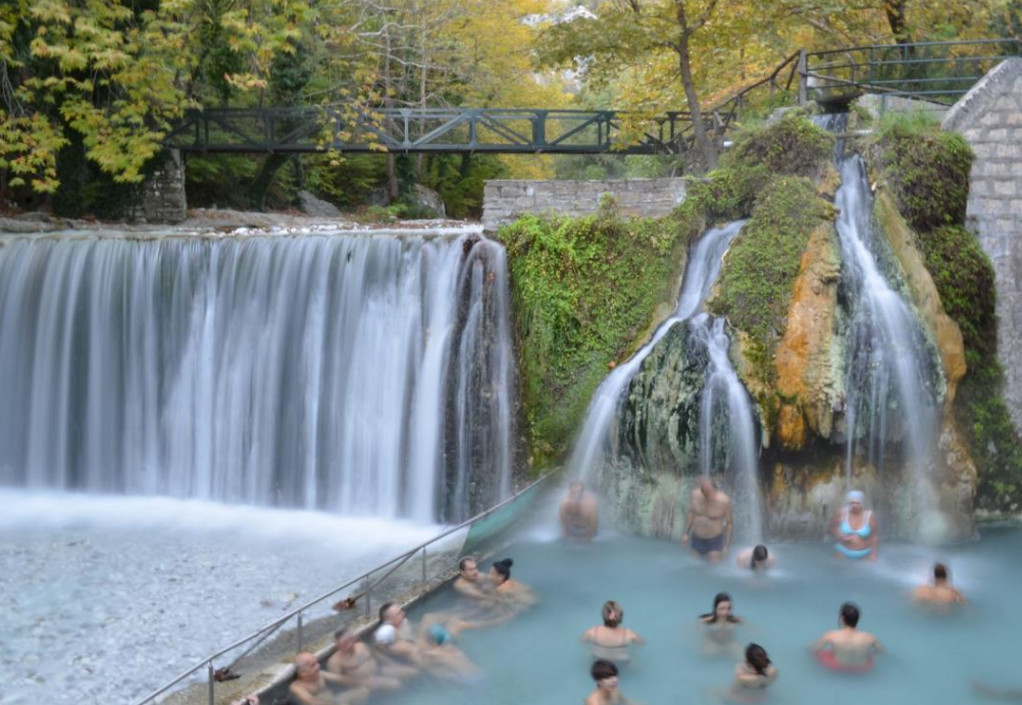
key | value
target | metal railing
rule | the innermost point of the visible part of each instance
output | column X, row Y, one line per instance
column 934, row 71
column 939, row 72
column 363, row 583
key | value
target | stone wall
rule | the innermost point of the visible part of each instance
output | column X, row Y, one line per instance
column 504, row 201
column 163, row 199
column 990, row 118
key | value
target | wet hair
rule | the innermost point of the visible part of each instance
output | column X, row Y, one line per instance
column 711, row 617
column 759, row 555
column 850, row 614
column 602, row 668
column 612, row 614
column 343, row 631
column 464, row 561
column 503, row 568
column 383, row 611
column 756, row 656
column 939, row 571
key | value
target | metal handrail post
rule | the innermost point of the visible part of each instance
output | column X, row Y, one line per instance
column 424, row 566
column 300, row 640
column 211, row 680
column 368, row 590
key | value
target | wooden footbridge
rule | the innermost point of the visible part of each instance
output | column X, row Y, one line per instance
column 937, row 72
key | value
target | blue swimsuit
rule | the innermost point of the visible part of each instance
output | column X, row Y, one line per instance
column 863, row 532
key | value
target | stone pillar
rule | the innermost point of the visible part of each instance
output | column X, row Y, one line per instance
column 990, row 118
column 163, row 195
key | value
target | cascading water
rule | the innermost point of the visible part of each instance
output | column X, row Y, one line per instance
column 363, row 375
column 727, row 432
column 891, row 363
column 700, row 274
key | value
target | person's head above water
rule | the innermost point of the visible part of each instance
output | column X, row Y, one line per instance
column 345, row 638
column 708, row 487
column 576, row 489
column 391, row 613
column 855, row 501
column 612, row 614
column 939, row 573
column 849, row 615
column 604, row 670
column 756, row 656
column 306, row 666
column 721, row 609
column 759, row 557
column 468, row 568
column 502, row 570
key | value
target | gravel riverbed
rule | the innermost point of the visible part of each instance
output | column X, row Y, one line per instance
column 102, row 599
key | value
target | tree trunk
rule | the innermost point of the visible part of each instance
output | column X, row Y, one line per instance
column 702, row 139
column 261, row 184
column 895, row 10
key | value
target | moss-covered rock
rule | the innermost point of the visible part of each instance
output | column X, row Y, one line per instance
column 585, row 293
column 755, row 285
column 792, row 145
column 928, row 170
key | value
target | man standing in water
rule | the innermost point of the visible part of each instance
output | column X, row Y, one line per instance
column 709, row 524
column 847, row 649
column 578, row 513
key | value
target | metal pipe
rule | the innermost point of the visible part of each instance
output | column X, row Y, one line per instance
column 211, row 677
column 300, row 631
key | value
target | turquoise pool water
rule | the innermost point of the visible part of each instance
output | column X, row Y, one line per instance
column 537, row 658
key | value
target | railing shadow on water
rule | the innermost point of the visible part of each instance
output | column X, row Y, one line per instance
column 404, row 577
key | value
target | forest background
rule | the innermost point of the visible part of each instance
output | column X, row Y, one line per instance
column 89, row 88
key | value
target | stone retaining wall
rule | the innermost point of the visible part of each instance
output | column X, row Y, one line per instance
column 504, row 201
column 990, row 118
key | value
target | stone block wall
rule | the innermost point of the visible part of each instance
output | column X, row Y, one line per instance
column 504, row 201
column 990, row 118
column 163, row 195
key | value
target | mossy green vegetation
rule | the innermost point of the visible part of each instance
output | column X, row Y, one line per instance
column 927, row 168
column 772, row 170
column 928, row 171
column 754, row 289
column 792, row 145
column 584, row 291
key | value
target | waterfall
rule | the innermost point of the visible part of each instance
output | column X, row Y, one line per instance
column 891, row 363
column 366, row 375
column 700, row 273
column 727, row 432
column 724, row 399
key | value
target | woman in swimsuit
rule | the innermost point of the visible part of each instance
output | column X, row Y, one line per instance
column 720, row 626
column 855, row 530
column 611, row 641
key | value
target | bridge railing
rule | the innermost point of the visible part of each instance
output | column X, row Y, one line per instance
column 940, row 72
column 411, row 130
column 935, row 71
column 410, row 573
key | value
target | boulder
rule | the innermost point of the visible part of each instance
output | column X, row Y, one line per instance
column 317, row 207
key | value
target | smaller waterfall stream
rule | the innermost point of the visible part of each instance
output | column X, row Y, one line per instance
column 700, row 274
column 891, row 396
column 727, row 433
column 728, row 441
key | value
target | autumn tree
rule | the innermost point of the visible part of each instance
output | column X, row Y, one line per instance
column 646, row 45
